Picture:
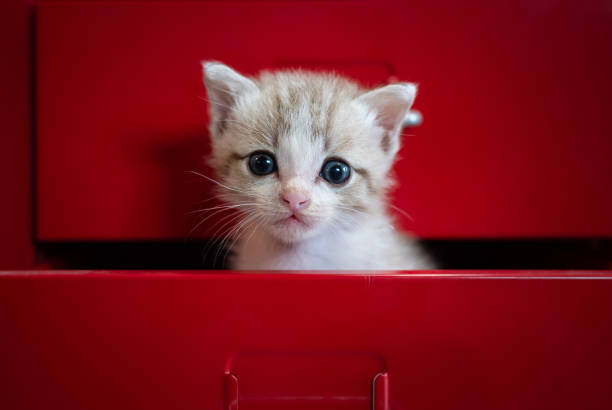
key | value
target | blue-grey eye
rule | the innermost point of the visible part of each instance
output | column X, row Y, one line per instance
column 262, row 163
column 335, row 172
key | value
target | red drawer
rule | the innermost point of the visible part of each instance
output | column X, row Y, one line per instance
column 176, row 340
column 515, row 140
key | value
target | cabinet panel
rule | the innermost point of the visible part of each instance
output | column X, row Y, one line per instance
column 161, row 340
column 15, row 150
column 515, row 139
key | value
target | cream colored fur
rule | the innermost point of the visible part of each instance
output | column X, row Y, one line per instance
column 304, row 119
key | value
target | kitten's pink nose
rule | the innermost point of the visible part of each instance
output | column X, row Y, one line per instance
column 295, row 200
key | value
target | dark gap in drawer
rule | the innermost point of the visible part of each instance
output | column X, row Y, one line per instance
column 449, row 254
column 131, row 255
column 521, row 253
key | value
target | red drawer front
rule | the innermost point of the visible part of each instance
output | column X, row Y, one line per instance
column 516, row 139
column 15, row 173
column 506, row 340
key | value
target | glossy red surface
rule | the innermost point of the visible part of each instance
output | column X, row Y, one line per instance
column 165, row 340
column 15, row 211
column 515, row 95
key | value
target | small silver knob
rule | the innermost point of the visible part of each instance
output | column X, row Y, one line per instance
column 414, row 118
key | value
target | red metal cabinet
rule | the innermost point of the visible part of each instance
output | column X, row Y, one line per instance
column 167, row 340
column 15, row 174
column 515, row 140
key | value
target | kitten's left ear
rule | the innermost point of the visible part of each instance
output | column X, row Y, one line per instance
column 390, row 104
column 224, row 87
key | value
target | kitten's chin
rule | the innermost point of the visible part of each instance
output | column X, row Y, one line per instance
column 292, row 230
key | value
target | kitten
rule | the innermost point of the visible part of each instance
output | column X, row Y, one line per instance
column 305, row 158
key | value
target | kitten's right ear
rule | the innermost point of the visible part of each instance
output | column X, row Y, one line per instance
column 390, row 104
column 224, row 87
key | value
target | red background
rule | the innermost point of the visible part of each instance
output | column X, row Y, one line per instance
column 16, row 242
column 515, row 96
column 515, row 143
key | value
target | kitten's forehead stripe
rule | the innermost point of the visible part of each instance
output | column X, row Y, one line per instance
column 276, row 110
column 338, row 147
column 306, row 99
column 331, row 109
column 317, row 107
column 293, row 95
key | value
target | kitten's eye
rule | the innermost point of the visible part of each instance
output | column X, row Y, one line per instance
column 262, row 163
column 335, row 172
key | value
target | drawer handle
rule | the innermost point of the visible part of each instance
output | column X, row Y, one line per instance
column 380, row 392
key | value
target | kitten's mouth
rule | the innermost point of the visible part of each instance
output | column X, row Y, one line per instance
column 293, row 220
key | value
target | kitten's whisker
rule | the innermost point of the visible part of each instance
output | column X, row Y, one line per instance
column 233, row 236
column 260, row 219
column 223, row 236
column 400, row 210
column 204, row 220
column 197, row 211
column 199, row 224
column 222, row 222
column 214, row 181
column 352, row 209
column 216, row 236
column 212, row 197
column 218, row 233
column 263, row 220
column 233, row 230
column 220, row 207
column 208, row 199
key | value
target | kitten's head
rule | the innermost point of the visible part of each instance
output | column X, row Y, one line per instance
column 299, row 152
